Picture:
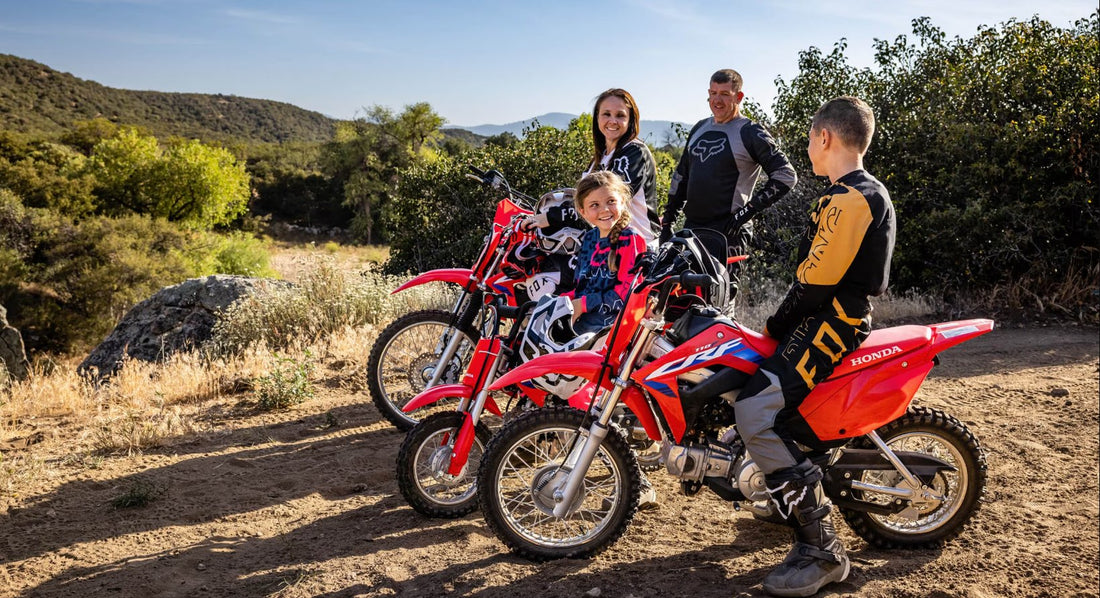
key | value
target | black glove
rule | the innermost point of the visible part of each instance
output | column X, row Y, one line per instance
column 643, row 263
column 666, row 234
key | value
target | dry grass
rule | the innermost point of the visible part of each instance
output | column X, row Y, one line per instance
column 758, row 301
column 294, row 260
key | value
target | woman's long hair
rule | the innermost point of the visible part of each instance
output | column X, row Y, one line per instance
column 615, row 185
column 633, row 124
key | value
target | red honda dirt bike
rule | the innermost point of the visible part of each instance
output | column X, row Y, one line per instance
column 429, row 347
column 560, row 482
column 438, row 460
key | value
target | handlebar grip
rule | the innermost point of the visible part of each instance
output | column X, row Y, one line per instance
column 690, row 279
column 507, row 312
column 479, row 172
column 474, row 177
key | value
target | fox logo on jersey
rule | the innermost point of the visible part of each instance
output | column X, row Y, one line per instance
column 622, row 168
column 705, row 148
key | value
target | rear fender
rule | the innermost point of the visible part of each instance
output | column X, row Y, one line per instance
column 949, row 334
column 463, row 277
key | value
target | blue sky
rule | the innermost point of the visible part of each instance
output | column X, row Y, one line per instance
column 478, row 61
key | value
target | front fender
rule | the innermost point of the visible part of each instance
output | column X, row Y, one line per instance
column 445, row 391
column 435, row 393
column 575, row 363
column 460, row 276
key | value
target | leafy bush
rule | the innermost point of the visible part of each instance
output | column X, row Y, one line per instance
column 67, row 282
column 440, row 217
column 286, row 385
column 241, row 254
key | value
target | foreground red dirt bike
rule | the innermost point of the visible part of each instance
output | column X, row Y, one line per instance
column 560, row 482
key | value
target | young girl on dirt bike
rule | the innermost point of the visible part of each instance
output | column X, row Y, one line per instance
column 608, row 251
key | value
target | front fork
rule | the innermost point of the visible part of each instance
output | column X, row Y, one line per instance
column 460, row 450
column 464, row 304
column 580, row 458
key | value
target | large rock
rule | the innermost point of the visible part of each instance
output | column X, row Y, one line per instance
column 13, row 356
column 176, row 318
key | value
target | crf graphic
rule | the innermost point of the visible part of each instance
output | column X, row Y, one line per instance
column 622, row 168
column 705, row 148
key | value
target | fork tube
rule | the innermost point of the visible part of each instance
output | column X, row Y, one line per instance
column 460, row 450
column 580, row 458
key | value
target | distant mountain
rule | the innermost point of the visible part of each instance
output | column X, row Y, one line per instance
column 653, row 131
column 36, row 98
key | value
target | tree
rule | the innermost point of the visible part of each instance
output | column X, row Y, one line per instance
column 368, row 152
column 198, row 185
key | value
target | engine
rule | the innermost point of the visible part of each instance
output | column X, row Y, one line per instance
column 724, row 467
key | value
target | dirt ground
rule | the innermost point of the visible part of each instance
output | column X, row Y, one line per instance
column 304, row 503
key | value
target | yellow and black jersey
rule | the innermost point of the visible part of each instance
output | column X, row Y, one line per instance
column 845, row 254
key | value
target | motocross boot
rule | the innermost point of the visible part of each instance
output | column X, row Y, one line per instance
column 818, row 557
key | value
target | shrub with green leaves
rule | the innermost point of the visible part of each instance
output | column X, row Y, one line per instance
column 439, row 216
column 66, row 282
column 286, row 385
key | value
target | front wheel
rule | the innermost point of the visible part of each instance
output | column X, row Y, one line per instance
column 423, row 461
column 522, row 468
column 404, row 359
column 939, row 435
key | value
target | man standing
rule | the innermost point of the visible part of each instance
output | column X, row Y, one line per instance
column 844, row 259
column 718, row 170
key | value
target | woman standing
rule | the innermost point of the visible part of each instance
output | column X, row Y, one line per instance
column 615, row 127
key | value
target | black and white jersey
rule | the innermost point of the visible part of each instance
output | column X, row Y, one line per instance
column 718, row 170
column 634, row 163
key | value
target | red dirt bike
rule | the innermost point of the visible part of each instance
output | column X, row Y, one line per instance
column 560, row 482
column 439, row 458
column 429, row 347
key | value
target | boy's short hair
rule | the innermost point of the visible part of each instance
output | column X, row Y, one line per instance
column 850, row 119
column 724, row 76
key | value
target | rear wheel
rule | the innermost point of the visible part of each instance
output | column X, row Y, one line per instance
column 521, row 469
column 405, row 357
column 423, row 461
column 933, row 522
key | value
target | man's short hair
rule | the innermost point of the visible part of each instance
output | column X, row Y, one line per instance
column 728, row 76
column 850, row 119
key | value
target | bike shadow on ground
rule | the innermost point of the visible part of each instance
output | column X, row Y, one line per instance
column 248, row 470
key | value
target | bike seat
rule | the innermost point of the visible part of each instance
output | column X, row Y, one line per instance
column 884, row 344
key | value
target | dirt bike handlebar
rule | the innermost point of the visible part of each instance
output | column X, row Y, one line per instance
column 495, row 180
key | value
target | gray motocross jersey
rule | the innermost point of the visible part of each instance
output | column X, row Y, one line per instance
column 719, row 168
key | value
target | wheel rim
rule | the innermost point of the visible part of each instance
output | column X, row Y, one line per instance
column 430, row 464
column 526, row 476
column 952, row 485
column 409, row 359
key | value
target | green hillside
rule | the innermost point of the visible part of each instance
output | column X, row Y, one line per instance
column 35, row 98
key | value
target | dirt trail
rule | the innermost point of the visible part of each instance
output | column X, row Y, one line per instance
column 304, row 503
